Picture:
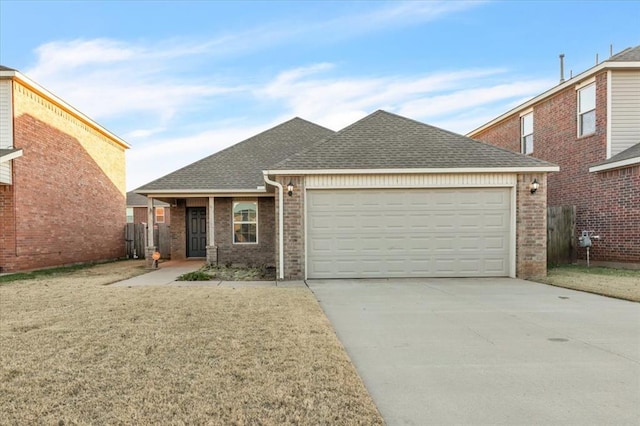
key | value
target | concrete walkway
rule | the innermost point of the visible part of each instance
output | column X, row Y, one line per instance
column 488, row 351
column 169, row 271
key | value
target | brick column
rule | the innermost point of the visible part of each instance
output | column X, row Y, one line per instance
column 178, row 230
column 531, row 227
column 293, row 228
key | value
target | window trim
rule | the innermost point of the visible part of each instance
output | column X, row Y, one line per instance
column 157, row 209
column 523, row 144
column 233, row 221
column 581, row 113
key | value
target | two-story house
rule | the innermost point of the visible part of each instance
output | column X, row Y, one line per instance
column 590, row 126
column 62, row 181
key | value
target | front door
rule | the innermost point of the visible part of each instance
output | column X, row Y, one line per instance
column 196, row 232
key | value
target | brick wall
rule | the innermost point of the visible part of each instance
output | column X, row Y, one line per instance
column 67, row 201
column 294, row 261
column 179, row 230
column 262, row 253
column 66, row 209
column 7, row 228
column 259, row 254
column 604, row 201
column 531, row 227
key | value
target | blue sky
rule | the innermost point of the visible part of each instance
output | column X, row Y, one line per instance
column 182, row 80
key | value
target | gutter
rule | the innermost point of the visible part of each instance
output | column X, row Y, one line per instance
column 280, row 223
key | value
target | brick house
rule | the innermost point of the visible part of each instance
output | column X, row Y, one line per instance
column 590, row 126
column 137, row 210
column 384, row 197
column 62, row 181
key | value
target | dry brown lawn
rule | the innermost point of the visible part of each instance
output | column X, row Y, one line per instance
column 74, row 350
column 619, row 283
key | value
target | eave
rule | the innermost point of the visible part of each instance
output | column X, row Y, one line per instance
column 9, row 154
column 615, row 165
column 530, row 169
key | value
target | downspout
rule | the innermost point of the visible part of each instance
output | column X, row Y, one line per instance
column 280, row 223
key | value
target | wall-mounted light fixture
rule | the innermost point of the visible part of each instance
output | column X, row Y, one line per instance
column 534, row 186
column 290, row 188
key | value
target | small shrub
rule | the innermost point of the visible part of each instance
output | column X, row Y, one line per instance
column 195, row 276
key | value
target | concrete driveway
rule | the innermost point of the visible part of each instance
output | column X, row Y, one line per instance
column 489, row 351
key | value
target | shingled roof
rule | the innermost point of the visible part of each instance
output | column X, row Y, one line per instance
column 137, row 200
column 387, row 141
column 240, row 166
column 630, row 156
column 630, row 54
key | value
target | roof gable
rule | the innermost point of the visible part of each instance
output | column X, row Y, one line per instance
column 387, row 141
column 240, row 166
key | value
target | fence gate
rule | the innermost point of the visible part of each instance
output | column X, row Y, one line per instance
column 561, row 235
column 135, row 236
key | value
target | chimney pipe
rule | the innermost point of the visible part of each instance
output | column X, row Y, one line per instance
column 561, row 68
column 610, row 50
column 597, row 61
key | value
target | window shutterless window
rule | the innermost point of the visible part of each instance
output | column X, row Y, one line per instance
column 587, row 110
column 159, row 214
column 245, row 222
column 129, row 214
column 526, row 133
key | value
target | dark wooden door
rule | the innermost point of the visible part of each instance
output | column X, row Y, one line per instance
column 196, row 232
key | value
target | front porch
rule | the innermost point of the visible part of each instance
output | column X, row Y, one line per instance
column 226, row 230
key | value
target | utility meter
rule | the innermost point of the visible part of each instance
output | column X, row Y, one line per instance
column 585, row 240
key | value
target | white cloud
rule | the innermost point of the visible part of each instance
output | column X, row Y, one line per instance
column 338, row 101
column 149, row 162
column 105, row 78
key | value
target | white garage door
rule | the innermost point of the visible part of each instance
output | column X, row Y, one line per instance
column 408, row 233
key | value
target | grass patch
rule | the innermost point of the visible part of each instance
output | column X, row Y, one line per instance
column 75, row 351
column 597, row 270
column 619, row 283
column 195, row 276
column 49, row 272
column 230, row 273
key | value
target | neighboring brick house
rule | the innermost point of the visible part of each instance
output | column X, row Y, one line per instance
column 62, row 181
column 590, row 126
column 138, row 212
column 384, row 197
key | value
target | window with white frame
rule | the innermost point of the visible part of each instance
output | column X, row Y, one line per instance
column 587, row 110
column 129, row 214
column 159, row 214
column 526, row 133
column 245, row 222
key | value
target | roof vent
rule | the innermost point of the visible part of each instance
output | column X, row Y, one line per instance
column 561, row 68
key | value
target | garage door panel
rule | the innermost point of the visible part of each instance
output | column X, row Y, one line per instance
column 408, row 232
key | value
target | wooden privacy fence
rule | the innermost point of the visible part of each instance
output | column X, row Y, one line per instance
column 135, row 236
column 561, row 234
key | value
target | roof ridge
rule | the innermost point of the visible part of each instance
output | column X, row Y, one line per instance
column 326, row 139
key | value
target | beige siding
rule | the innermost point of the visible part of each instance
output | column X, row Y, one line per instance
column 5, row 173
column 625, row 110
column 6, row 115
column 411, row 180
column 6, row 127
